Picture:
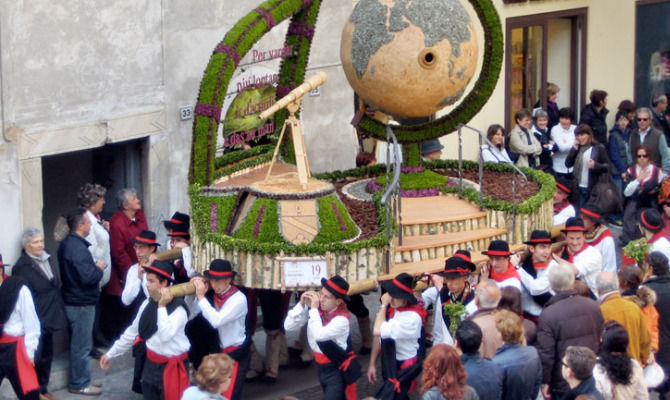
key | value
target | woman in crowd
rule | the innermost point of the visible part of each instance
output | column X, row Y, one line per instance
column 510, row 300
column 630, row 281
column 594, row 114
column 589, row 159
column 444, row 376
column 91, row 196
column 497, row 154
column 522, row 143
column 644, row 178
column 212, row 378
column 563, row 135
column 552, row 108
column 617, row 375
column 630, row 109
column 541, row 132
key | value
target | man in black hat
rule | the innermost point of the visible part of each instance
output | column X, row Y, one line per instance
column 328, row 335
column 19, row 336
column 161, row 325
column 534, row 274
column 585, row 261
column 651, row 225
column 220, row 324
column 563, row 209
column 450, row 286
column 178, row 230
column 399, row 325
column 599, row 236
column 501, row 267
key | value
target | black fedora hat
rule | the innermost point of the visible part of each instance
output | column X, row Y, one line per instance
column 458, row 265
column 147, row 238
column 563, row 186
column 574, row 224
column 337, row 286
column 497, row 248
column 177, row 219
column 400, row 287
column 592, row 212
column 220, row 269
column 539, row 237
column 162, row 268
column 651, row 220
column 180, row 230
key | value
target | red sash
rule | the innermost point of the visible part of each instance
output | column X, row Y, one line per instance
column 510, row 272
column 598, row 236
column 175, row 376
column 24, row 368
column 228, row 393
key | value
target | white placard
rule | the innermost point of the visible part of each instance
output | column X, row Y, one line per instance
column 304, row 272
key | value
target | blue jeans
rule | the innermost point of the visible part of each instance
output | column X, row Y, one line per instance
column 81, row 320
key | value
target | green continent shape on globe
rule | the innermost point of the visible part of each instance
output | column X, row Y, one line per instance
column 371, row 31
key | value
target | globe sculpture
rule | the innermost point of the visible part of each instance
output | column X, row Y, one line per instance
column 409, row 58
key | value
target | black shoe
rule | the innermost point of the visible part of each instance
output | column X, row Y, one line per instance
column 270, row 380
column 95, row 353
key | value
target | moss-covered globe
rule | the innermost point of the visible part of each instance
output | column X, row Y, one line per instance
column 409, row 58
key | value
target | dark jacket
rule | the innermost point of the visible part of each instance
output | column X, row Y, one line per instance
column 568, row 319
column 661, row 123
column 46, row 293
column 661, row 285
column 651, row 141
column 522, row 371
column 79, row 273
column 596, row 120
column 586, row 387
column 618, row 150
column 602, row 164
column 484, row 376
column 545, row 157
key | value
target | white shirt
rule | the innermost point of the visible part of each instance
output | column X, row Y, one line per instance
column 229, row 320
column 494, row 154
column 661, row 244
column 405, row 329
column 564, row 139
column 187, row 260
column 535, row 287
column 563, row 215
column 589, row 263
column 132, row 287
column 23, row 321
column 607, row 250
column 337, row 329
column 169, row 340
column 509, row 282
column 98, row 237
column 584, row 173
column 441, row 334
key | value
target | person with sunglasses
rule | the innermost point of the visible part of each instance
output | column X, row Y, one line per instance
column 644, row 179
column 652, row 138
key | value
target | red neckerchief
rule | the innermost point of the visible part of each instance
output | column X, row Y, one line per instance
column 571, row 257
column 219, row 299
column 390, row 312
column 509, row 273
column 561, row 206
column 596, row 237
column 656, row 236
column 339, row 311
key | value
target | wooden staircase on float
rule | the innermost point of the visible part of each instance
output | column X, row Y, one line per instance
column 434, row 228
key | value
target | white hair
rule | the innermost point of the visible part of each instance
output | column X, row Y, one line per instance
column 28, row 235
column 561, row 277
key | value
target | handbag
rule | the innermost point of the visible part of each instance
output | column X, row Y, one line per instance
column 606, row 195
column 653, row 375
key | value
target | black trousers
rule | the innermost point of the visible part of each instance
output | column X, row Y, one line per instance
column 43, row 358
column 357, row 307
column 152, row 380
column 331, row 382
column 114, row 316
column 274, row 307
column 242, row 368
column 8, row 370
column 140, row 355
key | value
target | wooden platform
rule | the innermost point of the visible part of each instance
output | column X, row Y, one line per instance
column 437, row 209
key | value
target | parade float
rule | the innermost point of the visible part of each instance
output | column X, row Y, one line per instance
column 284, row 228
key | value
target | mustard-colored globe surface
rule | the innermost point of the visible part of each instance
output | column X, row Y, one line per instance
column 409, row 57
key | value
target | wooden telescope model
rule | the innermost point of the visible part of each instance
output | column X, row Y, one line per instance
column 292, row 103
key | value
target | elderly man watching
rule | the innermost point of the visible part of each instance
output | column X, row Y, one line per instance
column 653, row 138
column 487, row 297
column 567, row 320
column 44, row 281
column 628, row 314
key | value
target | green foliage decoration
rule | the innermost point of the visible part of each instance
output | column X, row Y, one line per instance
column 471, row 104
column 455, row 313
column 269, row 228
column 201, row 210
column 330, row 229
column 637, row 250
column 239, row 155
column 418, row 180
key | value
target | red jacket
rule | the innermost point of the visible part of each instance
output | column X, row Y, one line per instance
column 121, row 230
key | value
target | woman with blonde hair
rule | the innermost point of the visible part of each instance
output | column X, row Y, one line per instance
column 444, row 376
column 212, row 378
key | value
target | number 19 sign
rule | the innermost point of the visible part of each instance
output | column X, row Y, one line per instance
column 303, row 272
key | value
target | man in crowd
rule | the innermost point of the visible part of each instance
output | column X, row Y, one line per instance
column 487, row 298
column 653, row 138
column 81, row 276
column 19, row 336
column 126, row 223
column 577, row 370
column 563, row 209
column 659, row 106
column 651, row 225
column 584, row 260
column 501, row 266
column 568, row 319
column 533, row 273
column 599, row 236
column 616, row 308
column 180, row 237
column 659, row 282
column 483, row 374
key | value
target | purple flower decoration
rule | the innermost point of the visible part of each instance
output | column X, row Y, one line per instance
column 257, row 227
column 339, row 217
column 213, row 219
column 373, row 186
column 411, row 170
